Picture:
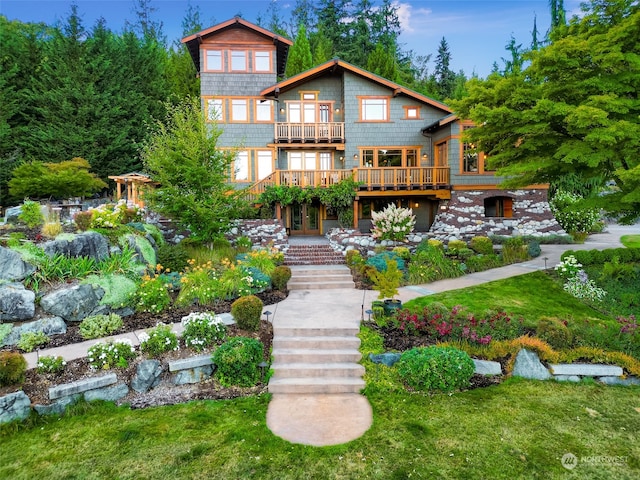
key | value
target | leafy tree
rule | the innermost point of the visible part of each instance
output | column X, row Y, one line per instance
column 66, row 179
column 192, row 174
column 574, row 110
column 300, row 54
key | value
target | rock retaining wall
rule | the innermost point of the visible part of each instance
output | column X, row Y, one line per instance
column 260, row 232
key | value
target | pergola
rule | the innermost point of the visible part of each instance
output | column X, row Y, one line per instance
column 132, row 183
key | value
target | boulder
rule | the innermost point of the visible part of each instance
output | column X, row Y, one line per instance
column 107, row 394
column 58, row 407
column 49, row 326
column 143, row 249
column 85, row 244
column 12, row 267
column 193, row 375
column 72, row 304
column 15, row 406
column 16, row 303
column 11, row 214
column 147, row 375
column 528, row 365
column 388, row 359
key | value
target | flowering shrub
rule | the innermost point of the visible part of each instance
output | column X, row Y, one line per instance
column 50, row 364
column 393, row 223
column 582, row 287
column 262, row 259
column 110, row 215
column 202, row 329
column 563, row 206
column 152, row 295
column 158, row 340
column 112, row 354
column 441, row 324
column 568, row 268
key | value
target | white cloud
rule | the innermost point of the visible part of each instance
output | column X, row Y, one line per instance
column 411, row 19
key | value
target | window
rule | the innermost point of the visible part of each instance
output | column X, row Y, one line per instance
column 264, row 111
column 389, row 157
column 309, row 95
column 442, row 154
column 295, row 113
column 498, row 207
column 374, row 109
column 241, row 167
column 261, row 61
column 309, row 112
column 411, row 113
column 295, row 160
column 265, row 163
column 238, row 61
column 214, row 110
column 473, row 161
column 213, row 61
column 239, row 110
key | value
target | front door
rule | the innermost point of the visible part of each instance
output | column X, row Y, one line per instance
column 305, row 219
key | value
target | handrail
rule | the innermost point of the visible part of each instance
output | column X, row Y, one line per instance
column 321, row 132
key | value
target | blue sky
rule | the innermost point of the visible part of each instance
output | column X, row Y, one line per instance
column 476, row 30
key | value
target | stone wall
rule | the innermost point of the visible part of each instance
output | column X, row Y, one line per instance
column 464, row 216
column 260, row 232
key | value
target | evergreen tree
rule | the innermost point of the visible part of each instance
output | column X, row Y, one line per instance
column 304, row 13
column 322, row 48
column 444, row 76
column 181, row 72
column 331, row 15
column 383, row 63
column 535, row 43
column 300, row 54
column 513, row 65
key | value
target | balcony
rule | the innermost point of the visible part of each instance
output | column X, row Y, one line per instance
column 371, row 179
column 331, row 132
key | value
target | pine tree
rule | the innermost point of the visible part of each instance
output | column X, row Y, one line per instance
column 300, row 54
column 383, row 63
column 444, row 76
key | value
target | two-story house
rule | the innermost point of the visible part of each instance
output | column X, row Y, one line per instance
column 338, row 121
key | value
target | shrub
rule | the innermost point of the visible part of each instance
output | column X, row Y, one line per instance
column 112, row 354
column 51, row 364
column 572, row 219
column 436, row 368
column 202, row 329
column 261, row 259
column 247, row 311
column 30, row 214
column 480, row 262
column 237, row 360
column 554, row 332
column 482, row 245
column 280, row 276
column 533, row 248
column 5, row 329
column 172, row 257
column 386, row 281
column 158, row 340
column 29, row 341
column 430, row 264
column 52, row 226
column 454, row 245
column 514, row 250
column 582, row 287
column 402, row 252
column 243, row 244
column 97, row 326
column 83, row 220
column 13, row 367
column 568, row 267
column 380, row 261
column 392, row 223
column 152, row 295
column 353, row 259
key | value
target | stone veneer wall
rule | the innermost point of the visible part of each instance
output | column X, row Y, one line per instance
column 260, row 232
column 463, row 216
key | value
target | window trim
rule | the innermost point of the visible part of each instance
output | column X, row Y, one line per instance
column 502, row 203
column 361, row 108
column 408, row 108
column 206, row 59
column 269, row 60
column 404, row 151
column 259, row 101
column 246, row 61
column 234, row 170
column 481, row 156
column 231, row 116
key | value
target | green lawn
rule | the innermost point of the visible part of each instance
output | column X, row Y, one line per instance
column 519, row 429
column 630, row 241
column 531, row 296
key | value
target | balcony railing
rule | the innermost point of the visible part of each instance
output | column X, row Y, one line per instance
column 386, row 178
column 403, row 178
column 330, row 132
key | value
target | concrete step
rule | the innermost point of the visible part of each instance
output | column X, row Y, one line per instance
column 321, row 385
column 315, row 342
column 304, row 355
column 326, row 277
column 320, row 277
column 305, row 370
column 295, row 285
column 314, row 332
column 312, row 255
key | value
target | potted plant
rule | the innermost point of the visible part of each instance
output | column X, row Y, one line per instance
column 387, row 282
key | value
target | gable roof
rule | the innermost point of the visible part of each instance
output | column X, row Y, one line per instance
column 335, row 65
column 282, row 44
column 439, row 123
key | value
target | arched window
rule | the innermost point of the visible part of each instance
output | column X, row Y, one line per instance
column 498, row 207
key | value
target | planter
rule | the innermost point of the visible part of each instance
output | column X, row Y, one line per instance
column 391, row 305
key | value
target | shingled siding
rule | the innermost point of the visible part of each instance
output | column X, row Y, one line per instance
column 464, row 215
column 235, row 84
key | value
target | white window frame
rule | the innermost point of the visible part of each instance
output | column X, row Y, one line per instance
column 236, row 55
column 209, row 63
column 264, row 110
column 259, row 57
column 215, row 109
column 239, row 110
column 241, row 166
column 374, row 109
column 264, row 159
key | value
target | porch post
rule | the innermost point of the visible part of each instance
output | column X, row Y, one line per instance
column 355, row 214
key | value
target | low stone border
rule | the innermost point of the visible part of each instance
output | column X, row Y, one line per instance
column 17, row 406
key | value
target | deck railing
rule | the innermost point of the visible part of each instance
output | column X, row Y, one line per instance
column 385, row 178
column 328, row 132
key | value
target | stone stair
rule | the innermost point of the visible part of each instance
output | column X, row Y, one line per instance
column 313, row 254
column 313, row 277
column 316, row 361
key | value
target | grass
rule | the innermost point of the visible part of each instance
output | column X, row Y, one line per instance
column 630, row 241
column 519, row 429
column 519, row 296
